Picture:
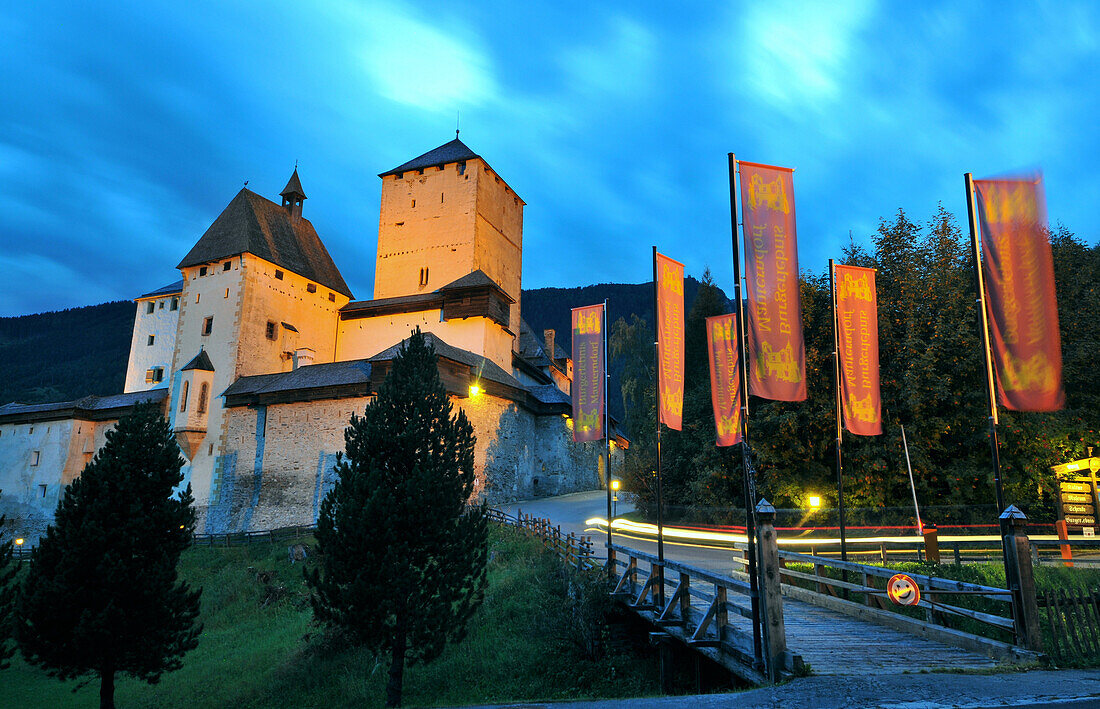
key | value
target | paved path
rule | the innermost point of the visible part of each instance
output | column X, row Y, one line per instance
column 833, row 643
column 1066, row 689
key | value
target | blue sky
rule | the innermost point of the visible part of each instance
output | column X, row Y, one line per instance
column 126, row 127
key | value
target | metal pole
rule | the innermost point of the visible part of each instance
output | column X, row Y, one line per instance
column 748, row 487
column 839, row 414
column 657, row 417
column 912, row 485
column 983, row 326
column 606, row 427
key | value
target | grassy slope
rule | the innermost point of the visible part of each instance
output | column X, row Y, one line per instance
column 252, row 655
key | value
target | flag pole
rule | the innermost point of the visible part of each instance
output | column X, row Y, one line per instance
column 657, row 417
column 912, row 485
column 983, row 326
column 606, row 429
column 748, row 488
column 839, row 415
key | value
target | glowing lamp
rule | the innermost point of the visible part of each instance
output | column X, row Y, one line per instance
column 474, row 390
column 815, row 501
column 19, row 542
column 615, row 485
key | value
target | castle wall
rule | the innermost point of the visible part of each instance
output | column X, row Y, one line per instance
column 160, row 325
column 498, row 237
column 361, row 338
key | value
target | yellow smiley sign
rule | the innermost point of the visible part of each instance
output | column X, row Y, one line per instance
column 903, row 590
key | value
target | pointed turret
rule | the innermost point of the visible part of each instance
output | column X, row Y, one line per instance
column 292, row 194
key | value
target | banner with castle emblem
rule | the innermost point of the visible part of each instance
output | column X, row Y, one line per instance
column 1021, row 301
column 776, row 353
column 670, row 339
column 725, row 378
column 588, row 373
column 857, row 343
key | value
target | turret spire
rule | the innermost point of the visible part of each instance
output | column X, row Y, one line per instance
column 292, row 194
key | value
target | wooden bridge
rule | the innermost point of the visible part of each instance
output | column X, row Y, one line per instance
column 833, row 616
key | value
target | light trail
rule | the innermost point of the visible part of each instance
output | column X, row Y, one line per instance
column 642, row 530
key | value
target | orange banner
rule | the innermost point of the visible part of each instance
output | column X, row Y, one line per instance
column 1020, row 298
column 725, row 378
column 588, row 373
column 670, row 339
column 777, row 355
column 857, row 342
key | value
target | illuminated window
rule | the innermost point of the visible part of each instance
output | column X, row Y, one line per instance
column 311, row 288
column 226, row 292
column 208, row 325
column 204, row 390
column 414, row 203
column 197, row 296
column 183, row 397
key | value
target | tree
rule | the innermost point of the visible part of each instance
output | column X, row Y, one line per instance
column 8, row 569
column 402, row 555
column 101, row 596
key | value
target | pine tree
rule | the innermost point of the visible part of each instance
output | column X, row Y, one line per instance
column 101, row 596
column 402, row 555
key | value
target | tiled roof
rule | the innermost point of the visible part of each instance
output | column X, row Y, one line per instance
column 313, row 376
column 84, row 406
column 200, row 361
column 483, row 368
column 549, row 394
column 254, row 224
column 454, row 151
column 170, row 289
column 293, row 186
column 476, row 279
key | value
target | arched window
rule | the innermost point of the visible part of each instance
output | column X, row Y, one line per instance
column 203, row 391
column 183, row 397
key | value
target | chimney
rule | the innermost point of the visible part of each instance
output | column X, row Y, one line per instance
column 303, row 357
column 548, row 340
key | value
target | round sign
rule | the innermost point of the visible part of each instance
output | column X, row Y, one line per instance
column 903, row 590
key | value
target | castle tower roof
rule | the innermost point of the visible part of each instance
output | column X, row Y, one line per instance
column 293, row 187
column 253, row 224
column 454, row 151
column 200, row 361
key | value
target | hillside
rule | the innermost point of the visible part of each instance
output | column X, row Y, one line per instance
column 68, row 354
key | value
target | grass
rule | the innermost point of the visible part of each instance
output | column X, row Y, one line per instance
column 259, row 646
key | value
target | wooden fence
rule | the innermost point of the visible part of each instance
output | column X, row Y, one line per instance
column 1073, row 623
column 576, row 550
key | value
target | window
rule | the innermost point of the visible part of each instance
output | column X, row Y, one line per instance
column 226, row 292
column 35, row 455
column 148, row 376
column 204, row 390
column 270, row 332
column 41, row 490
column 332, row 297
column 197, row 296
column 149, row 307
column 423, row 277
column 202, row 271
column 158, row 374
column 208, row 325
column 462, row 168
column 227, row 265
column 311, row 288
column 175, row 304
column 152, row 338
column 414, row 204
column 30, row 430
column 160, row 305
column 441, row 198
column 278, row 274
column 183, row 396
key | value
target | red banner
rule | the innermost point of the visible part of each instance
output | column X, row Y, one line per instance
column 1021, row 302
column 857, row 341
column 777, row 355
column 670, row 339
column 588, row 373
column 725, row 378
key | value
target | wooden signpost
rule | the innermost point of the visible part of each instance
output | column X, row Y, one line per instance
column 1077, row 494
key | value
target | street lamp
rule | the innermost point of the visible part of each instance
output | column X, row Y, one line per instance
column 815, row 501
column 474, row 390
column 615, row 485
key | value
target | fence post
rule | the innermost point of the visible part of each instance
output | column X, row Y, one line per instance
column 1067, row 550
column 931, row 544
column 775, row 635
column 958, row 555
column 882, row 552
column 1021, row 579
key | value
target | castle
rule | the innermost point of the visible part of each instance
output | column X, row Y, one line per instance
column 259, row 355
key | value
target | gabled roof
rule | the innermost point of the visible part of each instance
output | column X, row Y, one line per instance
column 352, row 373
column 95, row 408
column 454, row 151
column 253, row 224
column 477, row 279
column 485, row 368
column 293, row 186
column 170, row 289
column 201, row 361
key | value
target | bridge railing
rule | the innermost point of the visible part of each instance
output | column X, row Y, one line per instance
column 576, row 550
